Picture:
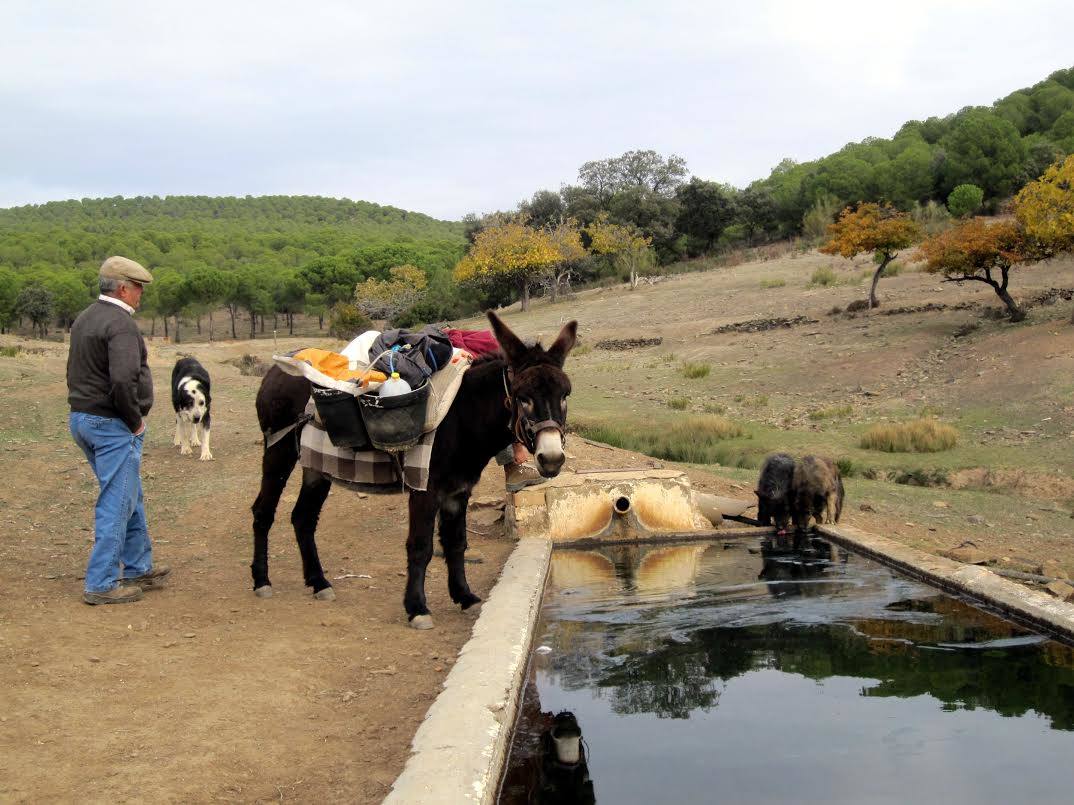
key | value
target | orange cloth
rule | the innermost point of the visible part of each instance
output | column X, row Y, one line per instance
column 336, row 366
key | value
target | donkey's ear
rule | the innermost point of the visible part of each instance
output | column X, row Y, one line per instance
column 510, row 343
column 564, row 342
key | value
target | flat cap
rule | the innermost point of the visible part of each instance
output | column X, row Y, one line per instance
column 122, row 268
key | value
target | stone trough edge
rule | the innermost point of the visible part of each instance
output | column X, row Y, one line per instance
column 1036, row 610
column 459, row 750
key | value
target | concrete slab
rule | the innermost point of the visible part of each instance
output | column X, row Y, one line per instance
column 460, row 748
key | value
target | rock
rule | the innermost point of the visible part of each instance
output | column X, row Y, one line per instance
column 968, row 553
column 941, row 504
column 1060, row 589
column 349, row 695
column 94, row 659
column 976, row 519
column 1055, row 569
column 189, row 635
column 865, row 507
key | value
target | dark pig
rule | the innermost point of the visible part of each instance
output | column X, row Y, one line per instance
column 773, row 491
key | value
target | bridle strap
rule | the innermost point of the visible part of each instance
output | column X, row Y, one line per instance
column 525, row 431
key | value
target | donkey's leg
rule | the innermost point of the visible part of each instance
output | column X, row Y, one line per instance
column 304, row 518
column 419, row 550
column 453, row 540
column 276, row 465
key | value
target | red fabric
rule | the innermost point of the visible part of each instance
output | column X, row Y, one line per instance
column 476, row 342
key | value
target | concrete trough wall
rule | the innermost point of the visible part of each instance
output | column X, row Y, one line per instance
column 460, row 749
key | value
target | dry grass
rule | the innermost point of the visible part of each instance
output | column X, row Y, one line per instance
column 916, row 436
column 831, row 412
column 693, row 371
column 694, row 439
column 823, row 277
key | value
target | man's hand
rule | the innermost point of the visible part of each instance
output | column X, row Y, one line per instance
column 141, row 429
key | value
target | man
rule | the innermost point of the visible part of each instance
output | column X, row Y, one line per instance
column 110, row 391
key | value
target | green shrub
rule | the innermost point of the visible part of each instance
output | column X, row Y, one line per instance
column 346, row 321
column 847, row 468
column 917, row 436
column 918, row 476
column 693, row 371
column 775, row 282
column 678, row 403
column 823, row 277
column 965, row 200
column 714, row 408
column 9, row 352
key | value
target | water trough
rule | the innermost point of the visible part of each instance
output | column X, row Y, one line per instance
column 460, row 750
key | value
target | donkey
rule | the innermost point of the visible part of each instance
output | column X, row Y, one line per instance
column 518, row 394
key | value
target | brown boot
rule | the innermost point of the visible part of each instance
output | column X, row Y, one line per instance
column 519, row 476
column 120, row 594
column 148, row 581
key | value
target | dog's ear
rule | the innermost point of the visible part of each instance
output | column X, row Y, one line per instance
column 510, row 343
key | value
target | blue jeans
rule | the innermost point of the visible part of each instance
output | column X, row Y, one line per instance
column 119, row 530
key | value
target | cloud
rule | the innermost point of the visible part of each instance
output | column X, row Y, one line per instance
column 448, row 108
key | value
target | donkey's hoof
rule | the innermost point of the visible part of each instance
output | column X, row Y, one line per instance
column 264, row 591
column 421, row 622
column 327, row 594
column 469, row 600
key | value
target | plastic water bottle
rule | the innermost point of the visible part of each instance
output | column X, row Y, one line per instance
column 394, row 386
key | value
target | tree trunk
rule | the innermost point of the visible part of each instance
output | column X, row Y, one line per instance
column 153, row 327
column 1017, row 314
column 525, row 294
column 197, row 319
column 178, row 336
column 290, row 323
column 262, row 324
column 234, row 337
column 887, row 258
column 253, row 325
column 320, row 321
column 275, row 321
column 165, row 326
column 210, row 326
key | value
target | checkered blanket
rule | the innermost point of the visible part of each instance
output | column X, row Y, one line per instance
column 370, row 470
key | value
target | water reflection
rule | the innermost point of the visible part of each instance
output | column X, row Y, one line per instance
column 671, row 632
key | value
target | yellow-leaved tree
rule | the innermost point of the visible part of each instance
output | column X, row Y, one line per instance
column 871, row 227
column 624, row 243
column 510, row 251
column 386, row 299
column 1045, row 208
column 567, row 240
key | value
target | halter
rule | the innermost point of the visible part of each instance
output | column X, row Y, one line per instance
column 522, row 427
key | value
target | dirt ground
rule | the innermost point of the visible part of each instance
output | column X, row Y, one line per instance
column 203, row 692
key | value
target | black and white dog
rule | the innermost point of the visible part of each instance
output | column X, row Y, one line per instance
column 190, row 399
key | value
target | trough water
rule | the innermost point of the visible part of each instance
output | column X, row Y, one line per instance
column 729, row 672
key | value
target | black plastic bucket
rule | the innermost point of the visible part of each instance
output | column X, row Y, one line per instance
column 395, row 423
column 342, row 419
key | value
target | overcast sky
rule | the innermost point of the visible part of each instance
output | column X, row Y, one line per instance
column 448, row 108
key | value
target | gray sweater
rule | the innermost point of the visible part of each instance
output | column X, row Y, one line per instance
column 107, row 367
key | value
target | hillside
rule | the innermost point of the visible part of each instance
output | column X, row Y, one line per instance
column 817, row 385
column 178, row 231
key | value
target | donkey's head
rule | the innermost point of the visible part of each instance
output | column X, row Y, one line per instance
column 537, row 390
